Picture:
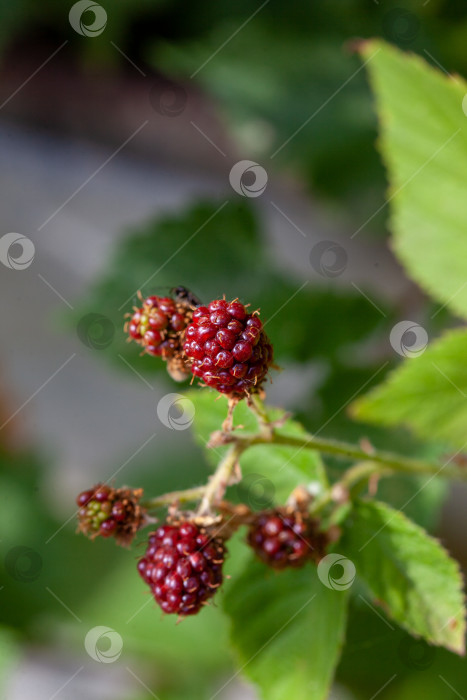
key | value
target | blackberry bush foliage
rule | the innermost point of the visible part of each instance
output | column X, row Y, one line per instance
column 307, row 538
column 287, row 597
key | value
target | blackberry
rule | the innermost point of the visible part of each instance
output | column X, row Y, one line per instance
column 182, row 566
column 228, row 348
column 283, row 537
column 158, row 326
column 110, row 512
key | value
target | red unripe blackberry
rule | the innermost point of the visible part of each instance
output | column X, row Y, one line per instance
column 107, row 512
column 158, row 320
column 283, row 537
column 228, row 348
column 159, row 328
column 182, row 566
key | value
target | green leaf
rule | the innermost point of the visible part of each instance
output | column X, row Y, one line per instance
column 287, row 629
column 424, row 145
column 270, row 472
column 408, row 572
column 426, row 393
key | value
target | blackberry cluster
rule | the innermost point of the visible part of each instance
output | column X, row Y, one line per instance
column 110, row 512
column 282, row 537
column 228, row 347
column 183, row 567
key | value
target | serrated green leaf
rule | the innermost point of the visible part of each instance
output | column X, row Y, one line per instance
column 276, row 469
column 426, row 393
column 408, row 572
column 287, row 628
column 424, row 145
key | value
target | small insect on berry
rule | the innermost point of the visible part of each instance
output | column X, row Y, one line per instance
column 283, row 537
column 108, row 512
column 182, row 566
column 228, row 348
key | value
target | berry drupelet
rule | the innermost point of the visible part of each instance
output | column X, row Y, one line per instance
column 110, row 512
column 228, row 348
column 282, row 537
column 182, row 566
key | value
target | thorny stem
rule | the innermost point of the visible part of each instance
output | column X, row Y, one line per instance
column 370, row 463
column 215, row 489
column 186, row 496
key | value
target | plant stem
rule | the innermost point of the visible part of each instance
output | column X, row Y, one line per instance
column 167, row 499
column 215, row 489
column 393, row 461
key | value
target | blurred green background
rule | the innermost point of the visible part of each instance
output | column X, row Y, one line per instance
column 277, row 84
